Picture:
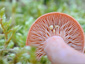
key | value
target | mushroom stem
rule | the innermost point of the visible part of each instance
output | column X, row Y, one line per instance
column 58, row 52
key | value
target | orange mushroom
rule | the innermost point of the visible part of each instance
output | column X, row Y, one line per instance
column 55, row 24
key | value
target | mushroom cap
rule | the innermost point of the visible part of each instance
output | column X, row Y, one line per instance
column 55, row 24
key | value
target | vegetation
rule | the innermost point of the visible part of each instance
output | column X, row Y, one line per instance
column 16, row 17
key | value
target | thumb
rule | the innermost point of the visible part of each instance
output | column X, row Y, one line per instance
column 58, row 52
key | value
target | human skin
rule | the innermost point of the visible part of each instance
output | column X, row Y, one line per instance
column 58, row 52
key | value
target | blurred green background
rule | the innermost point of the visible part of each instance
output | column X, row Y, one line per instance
column 16, row 17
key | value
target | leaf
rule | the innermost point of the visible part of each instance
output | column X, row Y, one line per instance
column 11, row 44
column 2, row 11
column 16, row 28
column 2, row 35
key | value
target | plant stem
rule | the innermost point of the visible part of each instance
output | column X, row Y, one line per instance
column 9, row 31
column 7, row 42
column 3, row 29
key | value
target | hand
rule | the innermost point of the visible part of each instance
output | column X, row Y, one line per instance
column 58, row 52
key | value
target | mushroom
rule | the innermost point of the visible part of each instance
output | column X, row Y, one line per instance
column 55, row 24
